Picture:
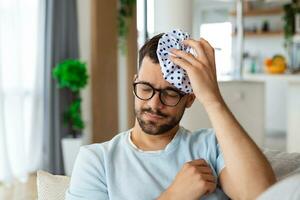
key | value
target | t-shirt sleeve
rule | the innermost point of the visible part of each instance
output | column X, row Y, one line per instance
column 215, row 152
column 88, row 177
column 220, row 164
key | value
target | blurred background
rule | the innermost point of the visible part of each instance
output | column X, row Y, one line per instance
column 66, row 69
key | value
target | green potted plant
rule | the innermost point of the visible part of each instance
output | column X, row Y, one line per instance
column 125, row 12
column 289, row 23
column 290, row 12
column 71, row 75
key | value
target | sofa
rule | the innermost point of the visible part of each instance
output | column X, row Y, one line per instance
column 286, row 167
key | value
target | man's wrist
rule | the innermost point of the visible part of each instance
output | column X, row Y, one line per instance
column 212, row 106
column 166, row 195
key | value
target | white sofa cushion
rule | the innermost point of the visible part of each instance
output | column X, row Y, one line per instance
column 284, row 164
column 287, row 189
column 51, row 187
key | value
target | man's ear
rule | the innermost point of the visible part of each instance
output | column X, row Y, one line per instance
column 190, row 100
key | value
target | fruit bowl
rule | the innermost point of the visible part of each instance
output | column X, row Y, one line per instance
column 275, row 65
column 275, row 70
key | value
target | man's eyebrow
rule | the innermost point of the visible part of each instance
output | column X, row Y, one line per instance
column 143, row 82
column 172, row 88
column 168, row 87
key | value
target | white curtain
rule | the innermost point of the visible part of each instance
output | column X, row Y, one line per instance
column 21, row 88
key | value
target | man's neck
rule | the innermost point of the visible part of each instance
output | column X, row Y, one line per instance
column 147, row 142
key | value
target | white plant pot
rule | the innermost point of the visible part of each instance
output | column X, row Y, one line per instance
column 70, row 149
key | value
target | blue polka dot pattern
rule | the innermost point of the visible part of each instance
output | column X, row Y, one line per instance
column 172, row 72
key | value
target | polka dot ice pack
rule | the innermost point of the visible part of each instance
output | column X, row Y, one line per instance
column 172, row 72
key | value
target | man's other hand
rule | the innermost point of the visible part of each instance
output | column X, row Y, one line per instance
column 194, row 180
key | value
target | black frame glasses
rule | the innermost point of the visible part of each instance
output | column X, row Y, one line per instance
column 161, row 91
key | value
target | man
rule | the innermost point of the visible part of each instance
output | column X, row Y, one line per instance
column 158, row 159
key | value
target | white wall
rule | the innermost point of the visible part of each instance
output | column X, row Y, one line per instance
column 245, row 100
column 84, row 20
column 170, row 14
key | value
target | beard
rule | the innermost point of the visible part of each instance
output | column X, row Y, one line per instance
column 155, row 127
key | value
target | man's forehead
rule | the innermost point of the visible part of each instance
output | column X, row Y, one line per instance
column 150, row 72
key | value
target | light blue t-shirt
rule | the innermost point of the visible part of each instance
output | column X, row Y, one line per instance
column 117, row 170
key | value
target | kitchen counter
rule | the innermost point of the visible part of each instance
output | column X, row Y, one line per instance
column 262, row 77
column 292, row 100
column 265, row 77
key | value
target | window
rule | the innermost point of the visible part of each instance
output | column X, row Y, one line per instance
column 145, row 20
column 20, row 93
column 219, row 35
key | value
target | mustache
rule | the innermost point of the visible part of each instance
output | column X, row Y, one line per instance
column 151, row 111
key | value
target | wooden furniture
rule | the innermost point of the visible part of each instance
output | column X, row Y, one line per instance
column 260, row 12
column 104, row 77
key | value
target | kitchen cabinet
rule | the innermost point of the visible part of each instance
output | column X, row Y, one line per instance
column 292, row 99
column 246, row 101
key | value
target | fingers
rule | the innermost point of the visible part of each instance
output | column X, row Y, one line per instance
column 198, row 162
column 196, row 45
column 206, row 43
column 205, row 55
column 205, row 170
column 211, row 187
column 209, row 178
column 210, row 52
column 202, row 166
column 196, row 176
column 187, row 56
column 181, row 62
column 184, row 64
column 209, row 183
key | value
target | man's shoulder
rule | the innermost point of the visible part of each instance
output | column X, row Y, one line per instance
column 200, row 134
column 107, row 145
column 206, row 137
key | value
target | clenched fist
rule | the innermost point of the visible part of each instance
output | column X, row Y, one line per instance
column 194, row 180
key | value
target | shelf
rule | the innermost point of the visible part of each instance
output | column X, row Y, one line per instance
column 262, row 34
column 260, row 12
column 265, row 77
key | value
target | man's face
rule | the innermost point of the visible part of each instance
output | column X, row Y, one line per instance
column 154, row 117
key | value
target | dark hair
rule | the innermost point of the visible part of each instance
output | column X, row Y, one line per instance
column 149, row 49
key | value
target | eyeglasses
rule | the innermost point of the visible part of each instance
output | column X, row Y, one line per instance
column 168, row 96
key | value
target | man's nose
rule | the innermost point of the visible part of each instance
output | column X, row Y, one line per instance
column 155, row 102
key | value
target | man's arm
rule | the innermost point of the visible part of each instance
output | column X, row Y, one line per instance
column 88, row 177
column 247, row 172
